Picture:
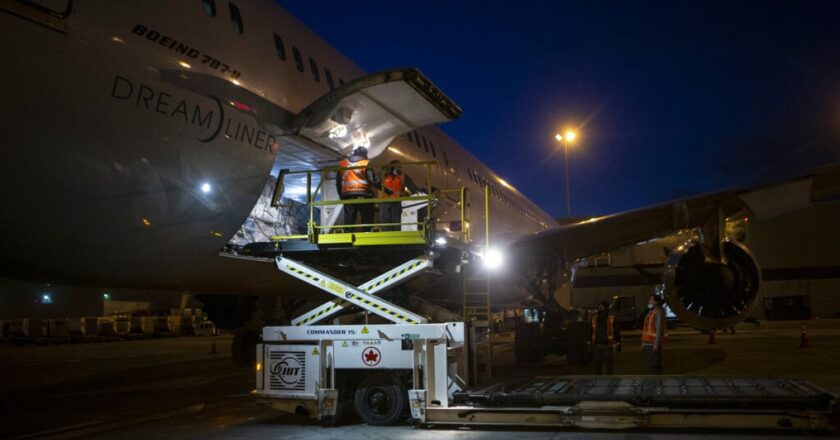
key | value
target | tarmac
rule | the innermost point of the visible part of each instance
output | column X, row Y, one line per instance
column 174, row 387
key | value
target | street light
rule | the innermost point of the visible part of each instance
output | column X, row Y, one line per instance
column 565, row 140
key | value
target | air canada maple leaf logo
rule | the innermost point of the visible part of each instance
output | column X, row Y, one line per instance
column 371, row 356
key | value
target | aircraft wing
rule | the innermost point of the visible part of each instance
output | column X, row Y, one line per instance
column 711, row 284
column 600, row 234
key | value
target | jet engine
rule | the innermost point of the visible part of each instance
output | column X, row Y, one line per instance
column 711, row 293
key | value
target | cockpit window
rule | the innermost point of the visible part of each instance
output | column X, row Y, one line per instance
column 281, row 48
column 209, row 7
column 313, row 66
column 298, row 59
column 236, row 18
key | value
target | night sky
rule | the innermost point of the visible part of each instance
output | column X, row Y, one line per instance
column 670, row 98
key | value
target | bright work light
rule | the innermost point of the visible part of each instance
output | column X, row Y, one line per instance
column 493, row 259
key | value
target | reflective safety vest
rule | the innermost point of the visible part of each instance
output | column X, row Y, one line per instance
column 649, row 329
column 354, row 181
column 395, row 184
column 610, row 321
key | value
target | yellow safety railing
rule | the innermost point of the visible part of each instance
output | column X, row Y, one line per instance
column 371, row 233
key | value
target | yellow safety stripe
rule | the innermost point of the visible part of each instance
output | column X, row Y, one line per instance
column 321, row 313
column 394, row 275
column 355, row 296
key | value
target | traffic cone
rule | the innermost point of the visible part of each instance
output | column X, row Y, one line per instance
column 213, row 346
column 804, row 342
column 712, row 337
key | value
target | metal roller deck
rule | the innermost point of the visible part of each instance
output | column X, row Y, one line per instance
column 653, row 402
column 652, row 391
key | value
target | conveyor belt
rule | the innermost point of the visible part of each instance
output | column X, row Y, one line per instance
column 683, row 392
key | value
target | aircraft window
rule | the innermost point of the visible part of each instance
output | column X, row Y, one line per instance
column 329, row 77
column 316, row 75
column 236, row 18
column 298, row 59
column 281, row 48
column 425, row 145
column 209, row 7
column 434, row 153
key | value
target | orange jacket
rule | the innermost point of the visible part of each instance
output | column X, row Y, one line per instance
column 610, row 322
column 395, row 184
column 649, row 328
column 355, row 181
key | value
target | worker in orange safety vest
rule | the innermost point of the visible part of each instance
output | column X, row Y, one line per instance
column 605, row 337
column 654, row 334
column 356, row 184
column 394, row 184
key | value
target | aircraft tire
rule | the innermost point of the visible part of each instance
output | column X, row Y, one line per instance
column 381, row 399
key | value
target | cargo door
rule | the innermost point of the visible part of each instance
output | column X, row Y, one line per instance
column 371, row 111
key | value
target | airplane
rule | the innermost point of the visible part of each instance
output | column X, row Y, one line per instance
column 139, row 136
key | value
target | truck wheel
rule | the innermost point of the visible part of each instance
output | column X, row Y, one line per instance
column 577, row 347
column 381, row 399
column 527, row 348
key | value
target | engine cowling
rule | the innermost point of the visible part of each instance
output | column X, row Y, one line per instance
column 709, row 295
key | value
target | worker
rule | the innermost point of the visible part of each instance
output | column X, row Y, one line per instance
column 605, row 336
column 394, row 184
column 654, row 334
column 356, row 184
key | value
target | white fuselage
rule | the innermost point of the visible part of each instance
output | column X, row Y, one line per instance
column 138, row 135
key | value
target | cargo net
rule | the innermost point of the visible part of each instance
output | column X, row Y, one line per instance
column 265, row 221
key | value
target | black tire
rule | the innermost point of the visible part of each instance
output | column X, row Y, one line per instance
column 243, row 349
column 381, row 399
column 578, row 343
column 527, row 344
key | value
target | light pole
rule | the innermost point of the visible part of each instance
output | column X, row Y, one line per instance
column 565, row 140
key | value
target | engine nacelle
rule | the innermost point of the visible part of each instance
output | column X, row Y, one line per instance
column 709, row 295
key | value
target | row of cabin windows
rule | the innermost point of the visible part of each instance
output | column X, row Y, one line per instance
column 479, row 180
column 298, row 58
column 421, row 142
column 209, row 7
column 429, row 146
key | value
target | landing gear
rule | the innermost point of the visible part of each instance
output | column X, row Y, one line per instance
column 381, row 399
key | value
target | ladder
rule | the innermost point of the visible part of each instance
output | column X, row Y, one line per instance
column 475, row 281
column 475, row 290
